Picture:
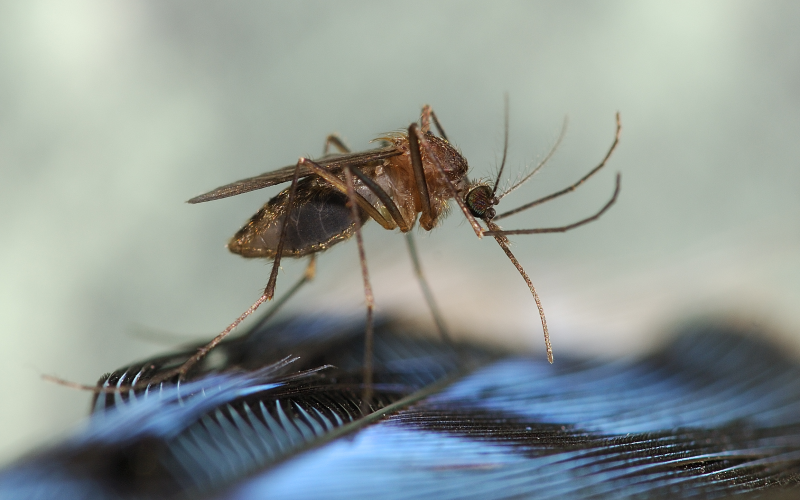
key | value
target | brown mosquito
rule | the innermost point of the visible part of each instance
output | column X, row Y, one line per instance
column 409, row 179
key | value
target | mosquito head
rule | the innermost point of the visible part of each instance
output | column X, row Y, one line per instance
column 480, row 200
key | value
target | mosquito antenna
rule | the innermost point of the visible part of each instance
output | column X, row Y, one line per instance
column 505, row 144
column 573, row 187
column 541, row 163
column 503, row 242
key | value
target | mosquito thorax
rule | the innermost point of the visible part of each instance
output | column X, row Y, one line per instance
column 480, row 200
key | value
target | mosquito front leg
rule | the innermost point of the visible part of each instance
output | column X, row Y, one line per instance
column 503, row 242
column 366, row 398
column 417, row 140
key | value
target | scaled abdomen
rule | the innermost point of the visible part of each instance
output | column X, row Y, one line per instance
column 320, row 218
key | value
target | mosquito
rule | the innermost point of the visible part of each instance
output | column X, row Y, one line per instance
column 409, row 179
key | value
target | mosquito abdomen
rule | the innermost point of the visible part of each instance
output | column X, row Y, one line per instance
column 321, row 218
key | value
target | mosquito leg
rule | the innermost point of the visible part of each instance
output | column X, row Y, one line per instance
column 439, row 126
column 336, row 142
column 269, row 291
column 503, row 242
column 308, row 275
column 405, row 227
column 366, row 398
column 426, row 290
column 573, row 187
column 362, row 202
column 385, row 199
column 496, row 231
column 419, row 173
column 425, row 122
column 416, row 140
column 425, row 119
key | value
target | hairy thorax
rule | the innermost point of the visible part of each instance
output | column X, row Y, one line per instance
column 400, row 173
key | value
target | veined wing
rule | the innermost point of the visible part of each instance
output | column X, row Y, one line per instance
column 334, row 163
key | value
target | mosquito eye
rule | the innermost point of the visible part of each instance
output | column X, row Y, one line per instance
column 479, row 201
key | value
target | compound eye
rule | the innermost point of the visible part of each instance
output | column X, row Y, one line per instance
column 479, row 202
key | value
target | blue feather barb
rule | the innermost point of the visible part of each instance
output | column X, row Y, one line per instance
column 276, row 414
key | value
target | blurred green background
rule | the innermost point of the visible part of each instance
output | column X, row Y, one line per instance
column 112, row 114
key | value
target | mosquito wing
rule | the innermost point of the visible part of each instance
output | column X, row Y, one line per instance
column 334, row 163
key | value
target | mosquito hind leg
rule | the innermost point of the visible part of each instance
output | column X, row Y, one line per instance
column 269, row 291
column 308, row 275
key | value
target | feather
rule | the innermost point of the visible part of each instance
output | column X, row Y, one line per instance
column 277, row 415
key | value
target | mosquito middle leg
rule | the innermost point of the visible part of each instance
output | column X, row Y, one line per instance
column 366, row 398
column 405, row 226
column 419, row 174
column 362, row 202
column 426, row 290
column 387, row 201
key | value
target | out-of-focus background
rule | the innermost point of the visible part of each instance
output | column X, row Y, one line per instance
column 114, row 113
